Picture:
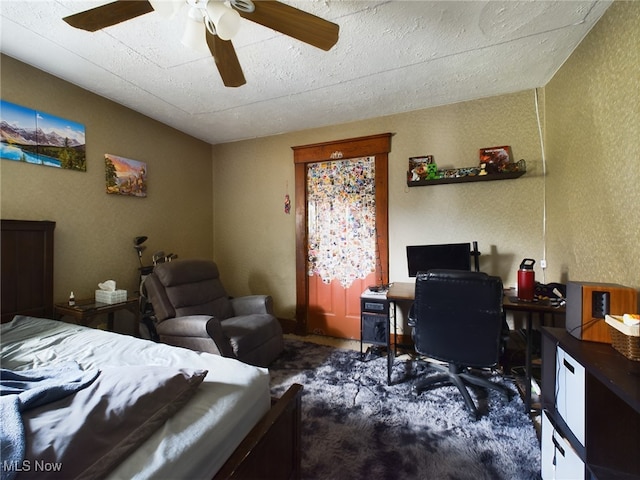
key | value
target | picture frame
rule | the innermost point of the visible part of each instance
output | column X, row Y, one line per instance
column 125, row 176
column 39, row 138
column 495, row 158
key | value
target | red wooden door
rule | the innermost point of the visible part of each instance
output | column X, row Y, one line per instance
column 334, row 310
column 341, row 243
column 332, row 273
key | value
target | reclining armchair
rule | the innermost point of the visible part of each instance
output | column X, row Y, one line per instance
column 192, row 310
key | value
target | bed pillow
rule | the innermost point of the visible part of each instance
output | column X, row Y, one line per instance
column 89, row 433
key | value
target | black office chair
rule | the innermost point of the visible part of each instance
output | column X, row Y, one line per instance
column 459, row 320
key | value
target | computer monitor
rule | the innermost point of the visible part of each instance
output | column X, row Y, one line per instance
column 451, row 256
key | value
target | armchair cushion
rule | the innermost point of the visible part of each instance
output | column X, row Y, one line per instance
column 191, row 288
column 257, row 336
column 195, row 332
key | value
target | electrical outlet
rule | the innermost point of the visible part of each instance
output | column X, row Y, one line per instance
column 543, row 263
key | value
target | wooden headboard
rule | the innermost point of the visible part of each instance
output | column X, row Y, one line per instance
column 27, row 268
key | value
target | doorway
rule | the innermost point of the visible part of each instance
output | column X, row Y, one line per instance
column 342, row 190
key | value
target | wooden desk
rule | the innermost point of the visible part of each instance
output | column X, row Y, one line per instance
column 511, row 303
column 405, row 291
column 399, row 291
column 85, row 310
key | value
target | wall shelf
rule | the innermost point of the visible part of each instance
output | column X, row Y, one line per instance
column 466, row 179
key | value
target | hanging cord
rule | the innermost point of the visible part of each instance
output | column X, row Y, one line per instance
column 544, row 191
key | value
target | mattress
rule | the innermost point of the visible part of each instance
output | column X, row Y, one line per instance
column 199, row 438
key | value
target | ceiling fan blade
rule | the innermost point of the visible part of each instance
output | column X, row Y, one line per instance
column 226, row 60
column 109, row 14
column 295, row 23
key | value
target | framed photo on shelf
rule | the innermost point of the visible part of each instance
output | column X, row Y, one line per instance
column 495, row 158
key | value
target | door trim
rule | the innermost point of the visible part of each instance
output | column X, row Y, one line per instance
column 377, row 146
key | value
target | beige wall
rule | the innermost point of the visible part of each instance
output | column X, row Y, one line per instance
column 592, row 200
column 94, row 231
column 593, row 145
column 251, row 180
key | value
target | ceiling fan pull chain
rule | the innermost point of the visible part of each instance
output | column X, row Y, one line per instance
column 201, row 4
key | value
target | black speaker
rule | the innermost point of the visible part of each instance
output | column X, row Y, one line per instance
column 588, row 303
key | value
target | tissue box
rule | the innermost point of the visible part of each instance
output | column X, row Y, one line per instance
column 116, row 296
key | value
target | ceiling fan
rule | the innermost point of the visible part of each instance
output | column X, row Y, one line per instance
column 216, row 22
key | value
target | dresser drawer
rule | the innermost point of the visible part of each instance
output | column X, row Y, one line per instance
column 559, row 460
column 570, row 395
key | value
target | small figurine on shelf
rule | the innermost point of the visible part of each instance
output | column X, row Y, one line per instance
column 72, row 300
column 418, row 173
column 432, row 171
column 418, row 167
column 483, row 169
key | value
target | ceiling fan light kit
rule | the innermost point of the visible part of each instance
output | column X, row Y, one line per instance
column 211, row 24
column 222, row 20
column 213, row 15
column 167, row 8
column 193, row 34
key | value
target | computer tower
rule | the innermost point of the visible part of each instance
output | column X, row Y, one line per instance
column 375, row 329
column 589, row 302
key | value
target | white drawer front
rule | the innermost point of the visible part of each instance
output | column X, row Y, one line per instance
column 559, row 460
column 570, row 396
column 548, row 468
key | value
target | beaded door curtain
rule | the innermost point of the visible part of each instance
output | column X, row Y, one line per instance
column 341, row 220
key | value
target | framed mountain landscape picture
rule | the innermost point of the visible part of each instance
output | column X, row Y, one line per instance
column 38, row 138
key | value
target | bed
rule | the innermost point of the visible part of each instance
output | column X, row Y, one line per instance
column 228, row 426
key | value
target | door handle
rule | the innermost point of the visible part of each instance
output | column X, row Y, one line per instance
column 570, row 367
column 557, row 445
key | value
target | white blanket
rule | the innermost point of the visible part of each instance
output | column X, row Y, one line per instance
column 194, row 443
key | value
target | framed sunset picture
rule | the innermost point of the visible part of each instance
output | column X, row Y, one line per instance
column 125, row 176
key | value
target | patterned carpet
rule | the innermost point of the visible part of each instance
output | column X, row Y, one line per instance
column 355, row 426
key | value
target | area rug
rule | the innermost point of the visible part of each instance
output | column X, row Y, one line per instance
column 355, row 426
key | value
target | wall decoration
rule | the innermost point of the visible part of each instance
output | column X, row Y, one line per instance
column 495, row 158
column 287, row 204
column 125, row 176
column 35, row 137
column 287, row 201
column 341, row 220
column 418, row 167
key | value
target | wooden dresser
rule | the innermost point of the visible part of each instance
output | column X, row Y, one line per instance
column 27, row 268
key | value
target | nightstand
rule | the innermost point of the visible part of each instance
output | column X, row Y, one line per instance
column 85, row 310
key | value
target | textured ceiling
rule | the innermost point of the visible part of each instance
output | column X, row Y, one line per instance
column 391, row 57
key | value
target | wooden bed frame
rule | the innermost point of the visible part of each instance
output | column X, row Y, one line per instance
column 270, row 450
